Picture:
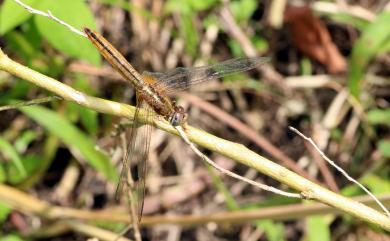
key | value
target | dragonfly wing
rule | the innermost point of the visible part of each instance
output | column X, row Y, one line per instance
column 137, row 153
column 142, row 147
column 182, row 78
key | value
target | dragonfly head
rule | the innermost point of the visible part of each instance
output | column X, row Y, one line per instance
column 178, row 117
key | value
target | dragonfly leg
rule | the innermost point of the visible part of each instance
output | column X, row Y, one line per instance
column 184, row 125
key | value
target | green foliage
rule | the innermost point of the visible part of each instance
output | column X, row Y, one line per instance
column 235, row 48
column 274, row 231
column 384, row 148
column 73, row 138
column 317, row 229
column 9, row 152
column 31, row 163
column 19, row 167
column 190, row 34
column 17, row 90
column 367, row 46
column 87, row 117
column 188, row 7
column 260, row 43
column 127, row 5
column 379, row 116
column 63, row 39
column 11, row 237
column 109, row 225
column 376, row 184
column 306, row 67
column 243, row 9
column 24, row 140
column 12, row 14
column 350, row 20
column 187, row 10
column 3, row 175
column 4, row 211
column 221, row 187
column 21, row 44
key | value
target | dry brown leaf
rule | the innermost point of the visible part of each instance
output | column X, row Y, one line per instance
column 312, row 38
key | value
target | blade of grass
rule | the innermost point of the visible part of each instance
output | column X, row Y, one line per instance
column 73, row 138
column 368, row 45
column 9, row 151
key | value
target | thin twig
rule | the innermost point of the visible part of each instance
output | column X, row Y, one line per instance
column 247, row 131
column 29, row 204
column 93, row 231
column 345, row 174
column 30, row 102
column 334, row 8
column 232, row 174
column 51, row 16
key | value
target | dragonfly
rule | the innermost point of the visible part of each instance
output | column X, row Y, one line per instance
column 152, row 90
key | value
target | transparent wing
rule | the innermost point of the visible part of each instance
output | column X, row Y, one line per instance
column 137, row 153
column 182, row 78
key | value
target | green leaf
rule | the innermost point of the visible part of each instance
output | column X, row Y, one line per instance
column 4, row 211
column 88, row 117
column 75, row 13
column 348, row 19
column 3, row 175
column 188, row 7
column 12, row 14
column 131, row 7
column 379, row 116
column 242, row 10
column 18, row 90
column 260, row 43
column 384, row 147
column 24, row 140
column 274, row 231
column 202, row 5
column 11, row 237
column 26, row 43
column 30, row 162
column 189, row 33
column 376, row 184
column 235, row 48
column 317, row 229
column 9, row 151
column 370, row 42
column 306, row 67
column 385, row 48
column 73, row 138
column 177, row 6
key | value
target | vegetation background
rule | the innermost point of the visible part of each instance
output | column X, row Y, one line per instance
column 328, row 77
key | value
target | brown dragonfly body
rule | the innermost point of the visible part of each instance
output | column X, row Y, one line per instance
column 145, row 85
column 152, row 95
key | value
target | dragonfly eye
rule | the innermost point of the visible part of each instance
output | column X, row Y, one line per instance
column 178, row 117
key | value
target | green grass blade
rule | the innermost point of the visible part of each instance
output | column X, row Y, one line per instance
column 73, row 138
